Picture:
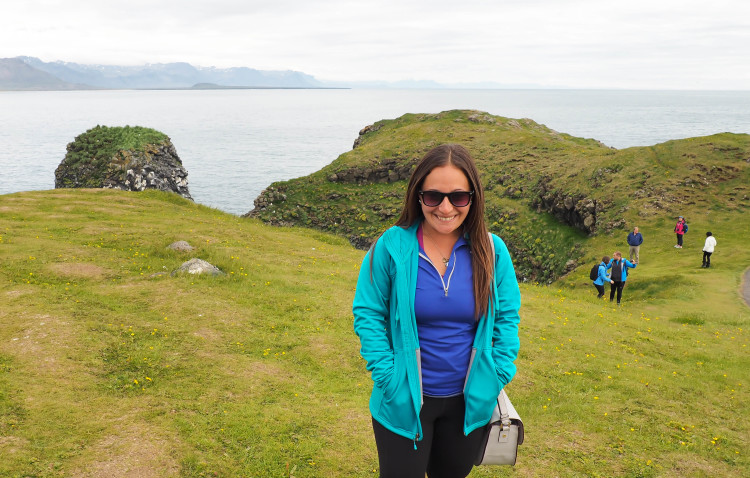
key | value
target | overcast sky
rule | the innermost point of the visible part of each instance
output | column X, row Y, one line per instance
column 656, row 44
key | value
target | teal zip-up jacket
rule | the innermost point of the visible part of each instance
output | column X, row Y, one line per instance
column 385, row 322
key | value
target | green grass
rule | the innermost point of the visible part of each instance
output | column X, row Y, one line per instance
column 111, row 367
column 99, row 144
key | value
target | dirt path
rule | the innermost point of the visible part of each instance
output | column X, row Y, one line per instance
column 745, row 287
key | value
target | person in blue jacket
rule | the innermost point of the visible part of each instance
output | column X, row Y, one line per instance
column 602, row 277
column 436, row 310
column 618, row 275
column 635, row 239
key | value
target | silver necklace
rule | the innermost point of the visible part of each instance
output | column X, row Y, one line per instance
column 445, row 260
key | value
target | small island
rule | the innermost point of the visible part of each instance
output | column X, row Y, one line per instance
column 131, row 158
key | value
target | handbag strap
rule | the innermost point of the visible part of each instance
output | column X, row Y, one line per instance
column 502, row 406
column 492, row 244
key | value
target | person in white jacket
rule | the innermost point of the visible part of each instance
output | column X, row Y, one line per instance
column 708, row 249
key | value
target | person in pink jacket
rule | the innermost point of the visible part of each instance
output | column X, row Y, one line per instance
column 680, row 229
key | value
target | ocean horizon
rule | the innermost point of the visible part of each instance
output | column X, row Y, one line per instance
column 235, row 143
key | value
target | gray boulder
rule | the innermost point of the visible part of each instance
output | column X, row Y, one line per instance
column 181, row 246
column 198, row 266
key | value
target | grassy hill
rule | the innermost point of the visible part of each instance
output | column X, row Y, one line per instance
column 110, row 366
column 547, row 191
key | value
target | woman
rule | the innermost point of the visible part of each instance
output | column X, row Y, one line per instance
column 436, row 311
column 618, row 275
column 680, row 229
column 602, row 277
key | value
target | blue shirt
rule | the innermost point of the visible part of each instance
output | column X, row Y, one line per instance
column 446, row 325
column 635, row 239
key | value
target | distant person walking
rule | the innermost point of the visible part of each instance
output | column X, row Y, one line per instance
column 680, row 229
column 708, row 249
column 602, row 277
column 618, row 275
column 635, row 239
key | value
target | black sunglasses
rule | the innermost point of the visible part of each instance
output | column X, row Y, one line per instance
column 435, row 198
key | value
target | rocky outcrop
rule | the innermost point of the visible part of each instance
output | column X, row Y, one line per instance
column 386, row 171
column 266, row 199
column 573, row 210
column 364, row 131
column 150, row 166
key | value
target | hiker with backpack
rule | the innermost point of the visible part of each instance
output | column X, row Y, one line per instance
column 681, row 228
column 619, row 274
column 599, row 275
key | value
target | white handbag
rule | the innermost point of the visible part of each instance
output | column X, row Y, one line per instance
column 503, row 434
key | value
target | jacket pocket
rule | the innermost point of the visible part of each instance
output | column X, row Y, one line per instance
column 481, row 390
column 396, row 407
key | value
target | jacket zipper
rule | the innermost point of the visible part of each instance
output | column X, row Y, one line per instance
column 445, row 286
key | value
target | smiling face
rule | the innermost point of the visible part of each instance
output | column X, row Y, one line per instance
column 445, row 218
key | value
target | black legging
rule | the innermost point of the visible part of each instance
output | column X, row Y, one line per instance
column 444, row 452
column 600, row 289
column 707, row 258
column 616, row 286
column 679, row 239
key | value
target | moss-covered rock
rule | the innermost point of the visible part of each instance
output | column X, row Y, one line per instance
column 131, row 158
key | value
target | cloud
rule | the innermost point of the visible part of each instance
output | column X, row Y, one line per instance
column 584, row 43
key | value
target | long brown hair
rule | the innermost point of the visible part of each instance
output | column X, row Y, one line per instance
column 482, row 260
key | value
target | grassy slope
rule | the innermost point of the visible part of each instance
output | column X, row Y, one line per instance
column 517, row 158
column 110, row 367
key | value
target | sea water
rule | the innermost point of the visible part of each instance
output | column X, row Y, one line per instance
column 234, row 143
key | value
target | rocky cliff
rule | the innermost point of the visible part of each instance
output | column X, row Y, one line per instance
column 127, row 158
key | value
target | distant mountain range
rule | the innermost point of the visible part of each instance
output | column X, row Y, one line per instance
column 28, row 73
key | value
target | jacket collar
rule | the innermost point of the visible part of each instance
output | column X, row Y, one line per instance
column 401, row 243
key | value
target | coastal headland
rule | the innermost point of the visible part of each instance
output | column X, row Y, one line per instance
column 546, row 191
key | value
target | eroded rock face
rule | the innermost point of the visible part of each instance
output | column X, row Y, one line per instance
column 156, row 167
column 577, row 211
column 266, row 199
column 386, row 171
column 364, row 131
